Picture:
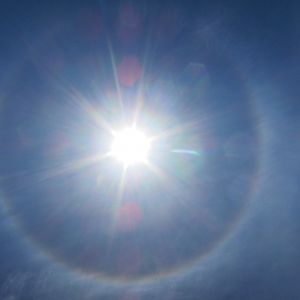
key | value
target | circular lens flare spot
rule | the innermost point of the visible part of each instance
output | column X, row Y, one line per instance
column 130, row 146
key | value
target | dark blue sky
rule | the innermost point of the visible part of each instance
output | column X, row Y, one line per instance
column 215, row 215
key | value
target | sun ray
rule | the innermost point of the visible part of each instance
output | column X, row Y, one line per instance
column 140, row 97
column 115, row 74
column 121, row 186
column 172, row 188
column 88, row 108
column 41, row 175
column 138, row 107
column 175, row 130
column 77, row 98
column 166, row 179
column 117, row 204
column 74, row 166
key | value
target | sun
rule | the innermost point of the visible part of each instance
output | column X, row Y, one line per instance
column 130, row 146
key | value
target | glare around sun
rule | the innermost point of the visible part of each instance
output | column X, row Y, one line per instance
column 130, row 146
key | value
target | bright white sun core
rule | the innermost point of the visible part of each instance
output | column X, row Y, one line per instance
column 130, row 146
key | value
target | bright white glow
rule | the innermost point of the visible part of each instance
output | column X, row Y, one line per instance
column 130, row 146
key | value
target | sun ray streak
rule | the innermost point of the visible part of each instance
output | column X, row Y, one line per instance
column 175, row 190
column 138, row 107
column 140, row 96
column 166, row 179
column 121, row 187
column 175, row 130
column 117, row 205
column 74, row 166
column 41, row 175
column 114, row 68
column 77, row 98
column 88, row 108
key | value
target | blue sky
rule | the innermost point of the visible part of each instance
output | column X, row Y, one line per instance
column 213, row 214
